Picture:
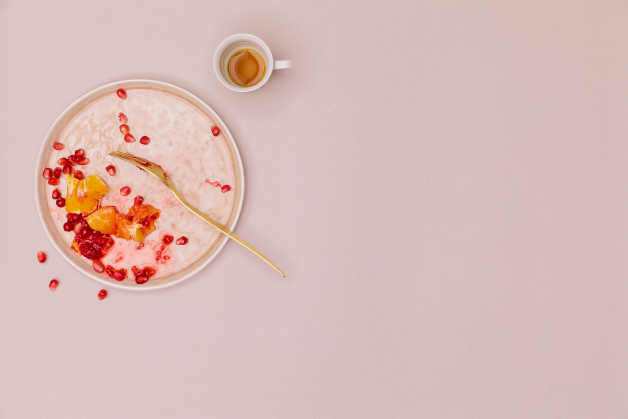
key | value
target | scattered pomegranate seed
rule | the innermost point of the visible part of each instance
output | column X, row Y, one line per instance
column 166, row 257
column 138, row 200
column 80, row 152
column 41, row 256
column 83, row 161
column 67, row 170
column 79, row 175
column 124, row 129
column 215, row 131
column 141, row 279
column 53, row 284
column 125, row 190
column 142, row 275
column 102, row 294
column 129, row 138
column 119, row 275
column 98, row 266
column 47, row 173
column 57, row 172
column 60, row 202
column 167, row 239
column 57, row 145
column 53, row 181
column 140, row 246
column 75, row 218
column 122, row 118
column 111, row 169
column 68, row 226
column 225, row 188
column 182, row 240
column 121, row 93
column 64, row 162
column 56, row 194
column 145, row 140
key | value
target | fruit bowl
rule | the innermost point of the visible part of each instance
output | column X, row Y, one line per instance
column 185, row 135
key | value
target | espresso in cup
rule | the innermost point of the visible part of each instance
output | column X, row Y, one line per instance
column 243, row 62
column 246, row 67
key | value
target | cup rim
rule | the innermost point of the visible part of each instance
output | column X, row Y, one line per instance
column 242, row 37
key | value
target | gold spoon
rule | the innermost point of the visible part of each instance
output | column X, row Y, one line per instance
column 157, row 171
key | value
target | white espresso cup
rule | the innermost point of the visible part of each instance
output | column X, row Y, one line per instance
column 234, row 43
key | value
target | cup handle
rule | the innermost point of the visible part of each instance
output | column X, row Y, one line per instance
column 282, row 64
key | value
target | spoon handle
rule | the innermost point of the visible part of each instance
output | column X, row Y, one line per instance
column 227, row 233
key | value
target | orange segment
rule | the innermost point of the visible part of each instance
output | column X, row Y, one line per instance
column 123, row 227
column 95, row 187
column 138, row 223
column 83, row 195
column 103, row 220
column 85, row 206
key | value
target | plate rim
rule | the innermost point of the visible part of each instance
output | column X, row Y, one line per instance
column 120, row 83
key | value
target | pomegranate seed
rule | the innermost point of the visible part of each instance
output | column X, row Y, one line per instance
column 140, row 246
column 129, row 138
column 60, row 202
column 57, row 145
column 98, row 266
column 53, row 181
column 56, row 194
column 41, row 256
column 119, row 275
column 75, row 218
column 125, row 190
column 88, row 249
column 68, row 226
column 57, row 172
column 47, row 173
column 122, row 118
column 182, row 240
column 141, row 279
column 138, row 200
column 121, row 93
column 111, row 169
column 145, row 140
column 64, row 162
column 83, row 161
column 167, row 239
column 67, row 170
column 225, row 188
column 102, row 294
column 53, row 284
column 124, row 129
column 79, row 175
column 215, row 131
column 79, row 153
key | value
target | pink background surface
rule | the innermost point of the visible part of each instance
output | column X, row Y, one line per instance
column 443, row 184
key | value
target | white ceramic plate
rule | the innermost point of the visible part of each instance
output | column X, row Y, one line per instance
column 41, row 193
